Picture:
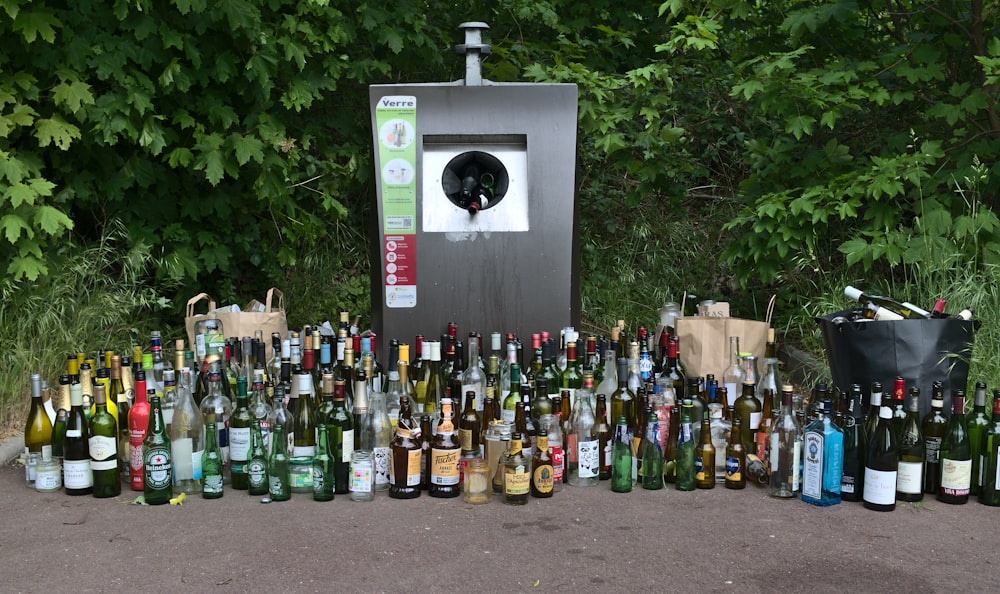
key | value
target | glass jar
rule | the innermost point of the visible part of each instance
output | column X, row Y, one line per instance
column 478, row 488
column 48, row 475
column 362, row 475
column 497, row 442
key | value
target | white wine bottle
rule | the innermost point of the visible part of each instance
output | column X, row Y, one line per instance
column 882, row 465
column 37, row 432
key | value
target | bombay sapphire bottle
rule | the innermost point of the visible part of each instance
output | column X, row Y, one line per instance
column 823, row 459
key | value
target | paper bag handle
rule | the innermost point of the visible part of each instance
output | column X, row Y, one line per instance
column 270, row 295
column 199, row 297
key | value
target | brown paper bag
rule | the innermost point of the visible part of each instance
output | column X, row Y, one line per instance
column 704, row 342
column 243, row 323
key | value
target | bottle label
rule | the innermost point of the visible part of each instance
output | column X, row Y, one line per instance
column 699, row 468
column 507, row 416
column 212, row 483
column 880, row 486
column 996, row 479
column 755, row 421
column 319, row 477
column 382, row 456
column 609, row 449
column 910, row 477
column 77, row 474
column 48, row 480
column 589, row 458
column 956, row 477
column 168, row 415
column 239, row 444
column 465, row 439
column 516, row 481
column 135, row 465
column 847, row 483
column 733, row 471
column 812, row 479
column 301, row 451
column 796, row 464
column 183, row 459
column 543, row 477
column 775, row 443
column 196, row 464
column 103, row 448
column 932, row 449
column 413, row 467
column 444, row 466
column 361, row 477
column 558, row 461
column 257, row 473
column 686, row 435
column 157, row 467
column 348, row 446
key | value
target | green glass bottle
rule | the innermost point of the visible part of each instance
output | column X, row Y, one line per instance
column 670, row 454
column 279, row 468
column 103, row 430
column 514, row 396
column 257, row 464
column 322, row 467
column 990, row 492
column 934, row 426
column 157, row 465
column 239, row 437
column 340, row 434
column 978, row 425
column 211, row 461
column 652, row 455
column 621, row 458
column 956, row 455
column 684, row 464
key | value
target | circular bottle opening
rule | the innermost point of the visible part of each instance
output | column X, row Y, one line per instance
column 475, row 181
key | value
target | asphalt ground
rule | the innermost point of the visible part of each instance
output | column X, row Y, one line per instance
column 582, row 539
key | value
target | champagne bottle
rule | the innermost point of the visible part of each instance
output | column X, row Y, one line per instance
column 103, row 445
column 989, row 494
column 910, row 480
column 934, row 427
column 956, row 455
column 78, row 477
column 736, row 458
column 904, row 311
column 881, row 465
column 444, row 455
column 257, row 464
column 785, row 451
column 156, row 459
column 37, row 430
column 211, row 461
column 978, row 425
column 621, row 457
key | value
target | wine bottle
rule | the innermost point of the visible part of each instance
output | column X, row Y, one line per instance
column 881, row 465
column 602, row 431
column 910, row 480
column 382, row 434
column 239, row 437
column 933, row 428
column 37, row 431
column 78, row 477
column 956, row 455
column 513, row 396
column 978, row 425
column 853, row 479
column 906, row 311
column 187, row 441
column 684, row 466
column 785, row 450
column 103, row 445
column 623, row 398
column 340, row 432
column 989, row 494
column 156, row 459
column 584, row 459
column 874, row 406
column 749, row 411
column 898, row 405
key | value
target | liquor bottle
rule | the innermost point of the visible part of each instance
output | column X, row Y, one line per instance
column 469, row 425
column 405, row 456
column 910, row 480
column 933, row 428
column 652, row 455
column 704, row 457
column 736, row 459
column 257, row 463
column 623, row 398
column 160, row 363
column 874, row 406
column 853, row 479
column 78, row 477
column 749, row 411
column 516, row 474
column 239, row 437
column 382, row 433
column 156, row 459
column 103, row 445
column 542, row 472
column 473, row 377
column 583, row 446
column 956, row 455
column 733, row 376
column 881, row 465
column 621, row 457
column 604, row 439
column 978, row 425
column 609, row 381
column 684, row 465
column 187, row 438
column 721, row 431
column 138, row 422
column 279, row 472
column 322, row 467
column 513, row 396
column 785, row 450
column 989, row 494
column 37, row 430
column 904, row 311
column 822, row 464
column 219, row 406
column 444, row 455
column 304, row 441
column 212, row 468
column 553, row 429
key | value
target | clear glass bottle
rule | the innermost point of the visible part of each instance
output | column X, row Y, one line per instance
column 382, row 432
column 473, row 377
column 785, row 452
column 362, row 475
column 187, row 438
column 219, row 406
column 720, row 430
column 583, row 445
column 259, row 407
column 822, row 465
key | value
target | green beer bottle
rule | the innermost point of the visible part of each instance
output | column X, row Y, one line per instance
column 211, row 461
column 278, row 468
column 257, row 465
column 157, row 466
column 322, row 468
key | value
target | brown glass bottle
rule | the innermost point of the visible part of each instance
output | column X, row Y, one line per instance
column 516, row 476
column 736, row 458
column 603, row 433
column 704, row 458
column 405, row 456
column 521, row 426
column 443, row 474
column 469, row 425
column 542, row 471
column 425, row 451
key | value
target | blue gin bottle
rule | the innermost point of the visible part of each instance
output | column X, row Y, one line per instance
column 822, row 459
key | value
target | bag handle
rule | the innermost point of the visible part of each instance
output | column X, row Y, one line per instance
column 199, row 297
column 770, row 309
column 270, row 298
